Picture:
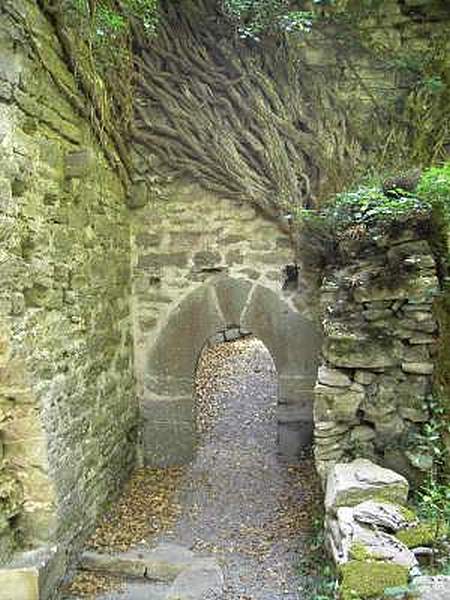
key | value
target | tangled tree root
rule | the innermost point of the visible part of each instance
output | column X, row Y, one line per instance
column 235, row 119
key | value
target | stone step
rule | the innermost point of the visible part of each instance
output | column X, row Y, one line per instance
column 162, row 563
column 131, row 590
column 167, row 572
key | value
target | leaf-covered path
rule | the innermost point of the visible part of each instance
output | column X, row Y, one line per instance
column 239, row 500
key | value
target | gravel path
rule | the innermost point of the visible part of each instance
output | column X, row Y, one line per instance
column 238, row 500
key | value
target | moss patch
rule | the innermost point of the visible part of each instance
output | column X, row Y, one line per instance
column 369, row 579
column 359, row 552
column 422, row 534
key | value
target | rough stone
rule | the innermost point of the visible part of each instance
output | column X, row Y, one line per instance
column 337, row 404
column 353, row 541
column 376, row 315
column 435, row 587
column 416, row 289
column 362, row 434
column 232, row 295
column 418, row 368
column 207, row 259
column 387, row 515
column 333, row 377
column 353, row 351
column 330, row 428
column 364, row 377
column 352, row 483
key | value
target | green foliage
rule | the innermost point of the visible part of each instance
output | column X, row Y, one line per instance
column 431, row 439
column 434, row 187
column 107, row 20
column 434, row 501
column 433, row 497
column 357, row 217
column 317, row 571
column 367, row 206
column 255, row 18
column 434, row 509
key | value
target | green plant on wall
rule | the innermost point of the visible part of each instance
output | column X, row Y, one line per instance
column 254, row 18
column 434, row 495
column 97, row 39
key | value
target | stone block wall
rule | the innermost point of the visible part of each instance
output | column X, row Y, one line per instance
column 68, row 416
column 379, row 337
column 207, row 268
column 188, row 238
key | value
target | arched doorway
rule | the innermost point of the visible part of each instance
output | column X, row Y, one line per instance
column 226, row 306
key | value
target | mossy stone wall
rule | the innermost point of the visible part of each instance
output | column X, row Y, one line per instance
column 68, row 416
column 375, row 383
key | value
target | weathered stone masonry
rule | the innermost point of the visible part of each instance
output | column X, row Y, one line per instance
column 75, row 297
column 205, row 269
column 379, row 336
column 68, row 417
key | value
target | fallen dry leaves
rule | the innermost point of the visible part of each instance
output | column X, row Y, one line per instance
column 90, row 585
column 213, row 371
column 146, row 507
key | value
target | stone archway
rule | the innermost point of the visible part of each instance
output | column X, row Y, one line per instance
column 222, row 303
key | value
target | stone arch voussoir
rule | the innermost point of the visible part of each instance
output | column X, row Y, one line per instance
column 226, row 302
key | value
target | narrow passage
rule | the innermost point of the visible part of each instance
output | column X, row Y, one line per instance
column 237, row 502
column 238, row 499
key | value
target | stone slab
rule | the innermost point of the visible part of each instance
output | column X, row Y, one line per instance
column 232, row 295
column 163, row 563
column 349, row 484
column 169, row 433
column 33, row 575
column 19, row 583
column 198, row 582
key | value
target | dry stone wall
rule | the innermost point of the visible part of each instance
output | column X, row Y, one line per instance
column 379, row 339
column 375, row 537
column 68, row 418
column 207, row 269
